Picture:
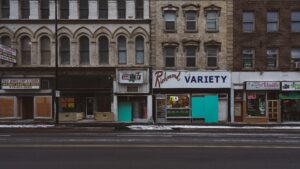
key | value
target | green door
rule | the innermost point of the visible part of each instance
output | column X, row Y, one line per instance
column 124, row 112
column 205, row 107
column 198, row 107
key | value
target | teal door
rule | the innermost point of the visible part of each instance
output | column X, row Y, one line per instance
column 205, row 107
column 198, row 107
column 124, row 112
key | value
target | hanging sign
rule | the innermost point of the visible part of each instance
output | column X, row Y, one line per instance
column 262, row 85
column 131, row 77
column 8, row 54
column 7, row 84
column 290, row 86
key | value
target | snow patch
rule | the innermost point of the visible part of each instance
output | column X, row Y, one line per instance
column 26, row 126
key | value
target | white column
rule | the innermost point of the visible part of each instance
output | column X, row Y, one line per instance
column 112, row 9
column 115, row 107
column 52, row 9
column 73, row 10
column 146, row 9
column 93, row 9
column 34, row 9
column 232, row 103
column 14, row 9
column 130, row 9
column 149, row 107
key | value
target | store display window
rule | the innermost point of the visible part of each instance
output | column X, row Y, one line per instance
column 178, row 106
column 256, row 104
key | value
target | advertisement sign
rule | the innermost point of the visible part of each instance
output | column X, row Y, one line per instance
column 262, row 85
column 190, row 79
column 131, row 77
column 8, row 84
column 290, row 86
column 8, row 54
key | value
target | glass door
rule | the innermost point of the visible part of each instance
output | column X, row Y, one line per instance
column 273, row 110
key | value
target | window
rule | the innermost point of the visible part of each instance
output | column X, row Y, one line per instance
column 122, row 53
column 83, row 9
column 103, row 50
column 139, row 50
column 191, row 20
column 24, row 9
column 64, row 50
column 121, row 9
column 103, row 9
column 139, row 9
column 295, row 16
column 272, row 55
column 295, row 54
column 248, row 58
column 273, row 20
column 4, row 9
column 170, row 19
column 256, row 103
column 191, row 56
column 5, row 40
column 45, row 51
column 64, row 9
column 26, row 50
column 212, row 21
column 169, row 56
column 212, row 54
column 45, row 9
column 84, row 50
column 248, row 21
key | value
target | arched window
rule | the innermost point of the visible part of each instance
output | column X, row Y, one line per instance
column 25, row 50
column 122, row 53
column 4, row 9
column 64, row 9
column 139, row 50
column 84, row 50
column 5, row 40
column 44, row 9
column 64, row 50
column 24, row 9
column 103, row 50
column 83, row 9
column 45, row 50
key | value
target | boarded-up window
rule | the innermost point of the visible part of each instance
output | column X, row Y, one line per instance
column 43, row 106
column 6, row 107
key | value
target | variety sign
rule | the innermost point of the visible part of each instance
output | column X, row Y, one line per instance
column 7, row 84
column 262, row 85
column 8, row 54
column 187, row 79
column 131, row 77
column 290, row 86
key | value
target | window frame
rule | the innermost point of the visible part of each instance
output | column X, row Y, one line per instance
column 273, row 22
column 295, row 59
column 64, row 51
column 190, row 57
column 2, row 41
column 215, row 20
column 101, row 50
column 64, row 9
column 121, row 10
column 83, row 12
column 174, row 48
column 139, row 50
column 45, row 51
column 195, row 21
column 269, row 56
column 103, row 8
column 24, row 10
column 44, row 12
column 122, row 50
column 173, row 12
column 82, row 51
column 217, row 50
column 25, row 50
column 252, row 58
column 5, row 10
column 248, row 22
column 297, row 22
column 139, row 10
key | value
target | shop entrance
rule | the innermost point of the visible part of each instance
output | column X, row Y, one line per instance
column 27, row 107
column 273, row 110
column 291, row 110
column 90, row 107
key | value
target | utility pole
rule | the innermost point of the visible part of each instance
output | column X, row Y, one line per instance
column 56, row 68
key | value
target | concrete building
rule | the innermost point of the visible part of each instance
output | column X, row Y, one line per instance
column 103, row 60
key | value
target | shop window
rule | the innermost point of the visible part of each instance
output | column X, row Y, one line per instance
column 24, row 6
column 190, row 20
column 212, row 21
column 191, row 56
column 5, row 9
column 44, row 9
column 169, row 52
column 139, row 50
column 7, row 105
column 45, row 50
column 67, row 104
column 178, row 106
column 272, row 57
column 103, row 50
column 248, row 58
column 212, row 56
column 139, row 9
column 64, row 50
column 103, row 9
column 26, row 50
column 272, row 21
column 170, row 20
column 291, row 110
column 83, row 9
column 295, row 21
column 121, row 9
column 256, row 104
column 248, row 21
column 84, row 50
column 104, row 103
column 5, row 40
column 122, row 50
column 43, row 106
column 64, row 9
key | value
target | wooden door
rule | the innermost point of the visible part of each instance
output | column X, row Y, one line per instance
column 273, row 110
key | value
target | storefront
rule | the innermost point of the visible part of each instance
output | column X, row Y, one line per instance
column 132, row 96
column 290, row 101
column 189, row 96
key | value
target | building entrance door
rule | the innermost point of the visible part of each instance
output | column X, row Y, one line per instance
column 90, row 107
column 27, row 107
column 273, row 110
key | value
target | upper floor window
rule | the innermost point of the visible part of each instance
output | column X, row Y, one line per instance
column 248, row 22
column 170, row 52
column 121, row 9
column 122, row 52
column 103, row 9
column 25, row 50
column 45, row 9
column 212, row 21
column 191, row 56
column 139, row 9
column 191, row 20
column 64, row 50
column 170, row 20
column 5, row 40
column 64, row 9
column 24, row 6
column 84, row 50
column 4, row 9
column 139, row 50
column 45, row 50
column 83, row 9
column 272, row 57
column 212, row 55
column 295, row 54
column 103, row 50
column 248, row 58
column 272, row 21
column 295, row 21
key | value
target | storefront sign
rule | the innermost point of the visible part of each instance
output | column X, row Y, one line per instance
column 8, row 54
column 20, row 84
column 262, row 85
column 290, row 86
column 186, row 79
column 131, row 77
column 289, row 96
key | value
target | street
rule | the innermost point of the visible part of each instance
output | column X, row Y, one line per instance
column 151, row 149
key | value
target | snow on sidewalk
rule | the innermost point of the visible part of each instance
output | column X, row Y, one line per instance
column 26, row 126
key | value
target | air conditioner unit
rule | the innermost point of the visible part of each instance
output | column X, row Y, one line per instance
column 297, row 65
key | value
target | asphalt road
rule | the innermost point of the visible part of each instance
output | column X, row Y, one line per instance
column 148, row 150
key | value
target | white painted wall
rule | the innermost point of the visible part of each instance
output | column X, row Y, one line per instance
column 241, row 77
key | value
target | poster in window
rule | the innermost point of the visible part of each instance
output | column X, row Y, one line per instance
column 256, row 104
